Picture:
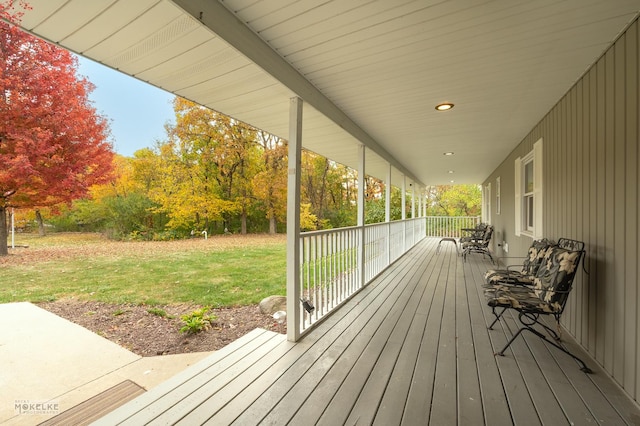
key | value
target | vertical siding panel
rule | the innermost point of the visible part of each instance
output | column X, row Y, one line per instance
column 609, row 178
column 566, row 168
column 592, row 193
column 549, row 174
column 567, row 196
column 583, row 200
column 576, row 204
column 619, row 206
column 557, row 183
column 637, row 194
column 579, row 284
column 594, row 288
column 576, row 218
column 632, row 324
column 601, row 297
column 553, row 134
column 560, row 137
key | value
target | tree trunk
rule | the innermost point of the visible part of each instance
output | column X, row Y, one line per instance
column 4, row 249
column 243, row 224
column 41, row 231
column 273, row 225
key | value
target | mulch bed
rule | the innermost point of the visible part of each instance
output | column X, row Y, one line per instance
column 147, row 334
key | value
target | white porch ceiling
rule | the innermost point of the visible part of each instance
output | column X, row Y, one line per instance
column 368, row 71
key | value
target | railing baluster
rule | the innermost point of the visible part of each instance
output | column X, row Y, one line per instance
column 329, row 268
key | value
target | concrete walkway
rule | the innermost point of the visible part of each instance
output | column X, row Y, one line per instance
column 45, row 358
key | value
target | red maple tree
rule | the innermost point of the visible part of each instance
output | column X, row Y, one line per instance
column 53, row 144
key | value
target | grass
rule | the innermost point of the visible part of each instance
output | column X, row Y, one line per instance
column 154, row 273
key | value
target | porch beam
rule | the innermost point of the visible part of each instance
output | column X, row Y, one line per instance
column 222, row 22
column 294, row 311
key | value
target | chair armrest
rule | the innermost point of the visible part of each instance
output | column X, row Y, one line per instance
column 499, row 261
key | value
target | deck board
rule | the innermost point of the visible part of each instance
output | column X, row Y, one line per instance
column 444, row 400
column 495, row 407
column 411, row 348
column 470, row 409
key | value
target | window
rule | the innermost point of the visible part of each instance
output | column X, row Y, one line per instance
column 528, row 194
column 528, row 199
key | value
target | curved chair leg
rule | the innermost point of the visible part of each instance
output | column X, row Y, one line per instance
column 493, row 309
column 583, row 366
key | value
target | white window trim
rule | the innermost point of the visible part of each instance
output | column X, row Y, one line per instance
column 498, row 207
column 536, row 156
column 537, row 190
column 486, row 204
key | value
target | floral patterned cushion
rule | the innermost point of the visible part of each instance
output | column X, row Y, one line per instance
column 475, row 235
column 551, row 285
column 532, row 262
column 522, row 298
column 555, row 275
column 482, row 242
column 506, row 276
column 537, row 252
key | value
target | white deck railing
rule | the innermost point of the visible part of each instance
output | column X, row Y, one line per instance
column 336, row 263
column 449, row 226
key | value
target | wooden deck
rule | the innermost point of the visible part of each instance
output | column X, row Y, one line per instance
column 412, row 348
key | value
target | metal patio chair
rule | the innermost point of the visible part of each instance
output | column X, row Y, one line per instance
column 547, row 297
column 473, row 234
column 479, row 246
column 527, row 271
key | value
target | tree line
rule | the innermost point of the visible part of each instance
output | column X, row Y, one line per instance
column 211, row 174
column 215, row 174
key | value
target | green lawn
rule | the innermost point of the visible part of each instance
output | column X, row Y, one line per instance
column 221, row 271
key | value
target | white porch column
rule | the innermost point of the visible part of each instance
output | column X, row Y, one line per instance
column 413, row 200
column 293, row 220
column 387, row 196
column 404, row 197
column 361, row 183
column 404, row 213
column 387, row 213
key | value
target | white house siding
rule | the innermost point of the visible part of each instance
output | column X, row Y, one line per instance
column 591, row 179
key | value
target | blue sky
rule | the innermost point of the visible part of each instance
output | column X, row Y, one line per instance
column 136, row 110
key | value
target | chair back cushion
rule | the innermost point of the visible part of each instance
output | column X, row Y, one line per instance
column 553, row 280
column 535, row 256
column 486, row 238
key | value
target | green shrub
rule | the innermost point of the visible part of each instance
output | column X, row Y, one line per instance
column 197, row 321
column 159, row 312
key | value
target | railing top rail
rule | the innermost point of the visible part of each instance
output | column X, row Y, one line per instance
column 453, row 217
column 328, row 231
column 347, row 228
column 373, row 225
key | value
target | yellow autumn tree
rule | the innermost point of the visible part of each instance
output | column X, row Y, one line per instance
column 206, row 169
column 270, row 184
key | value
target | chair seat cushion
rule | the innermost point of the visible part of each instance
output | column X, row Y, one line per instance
column 506, row 276
column 520, row 298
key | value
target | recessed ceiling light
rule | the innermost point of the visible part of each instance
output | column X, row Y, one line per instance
column 447, row 153
column 452, row 181
column 445, row 106
column 450, row 171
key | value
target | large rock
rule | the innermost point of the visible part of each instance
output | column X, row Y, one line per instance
column 272, row 304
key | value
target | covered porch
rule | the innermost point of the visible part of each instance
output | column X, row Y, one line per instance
column 369, row 76
column 411, row 348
